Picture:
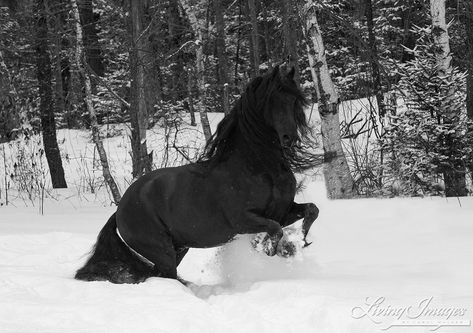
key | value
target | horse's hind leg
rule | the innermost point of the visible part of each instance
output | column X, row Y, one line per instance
column 180, row 253
column 162, row 254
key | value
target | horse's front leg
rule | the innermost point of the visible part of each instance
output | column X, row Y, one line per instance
column 272, row 232
column 308, row 211
column 288, row 245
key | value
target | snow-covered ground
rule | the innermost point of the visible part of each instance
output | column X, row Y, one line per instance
column 369, row 260
column 406, row 250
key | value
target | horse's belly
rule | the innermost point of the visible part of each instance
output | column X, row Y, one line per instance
column 194, row 215
column 201, row 230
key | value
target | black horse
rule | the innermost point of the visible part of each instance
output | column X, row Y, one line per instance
column 242, row 184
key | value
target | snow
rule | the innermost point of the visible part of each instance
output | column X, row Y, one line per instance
column 402, row 249
column 406, row 250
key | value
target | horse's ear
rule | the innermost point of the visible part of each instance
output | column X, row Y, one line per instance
column 291, row 73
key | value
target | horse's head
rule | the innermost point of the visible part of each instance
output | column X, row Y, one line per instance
column 269, row 117
column 283, row 109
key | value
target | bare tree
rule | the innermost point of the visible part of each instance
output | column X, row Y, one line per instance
column 89, row 21
column 469, row 80
column 469, row 59
column 80, row 62
column 221, row 54
column 374, row 59
column 290, row 28
column 196, row 13
column 141, row 160
column 454, row 177
column 46, row 106
column 338, row 180
column 254, row 36
column 9, row 115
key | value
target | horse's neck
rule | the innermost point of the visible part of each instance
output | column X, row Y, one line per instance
column 257, row 157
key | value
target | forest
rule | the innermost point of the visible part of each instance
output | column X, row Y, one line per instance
column 389, row 84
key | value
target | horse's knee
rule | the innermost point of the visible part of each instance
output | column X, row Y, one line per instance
column 312, row 212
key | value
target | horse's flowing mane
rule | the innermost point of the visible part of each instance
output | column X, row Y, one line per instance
column 247, row 119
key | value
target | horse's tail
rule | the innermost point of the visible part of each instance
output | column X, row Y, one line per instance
column 112, row 260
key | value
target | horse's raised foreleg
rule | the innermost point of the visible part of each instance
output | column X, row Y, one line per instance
column 308, row 211
column 287, row 246
column 258, row 224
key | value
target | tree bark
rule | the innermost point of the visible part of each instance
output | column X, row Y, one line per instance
column 141, row 161
column 197, row 19
column 290, row 28
column 80, row 60
column 338, row 180
column 48, row 123
column 254, row 36
column 221, row 54
column 454, row 175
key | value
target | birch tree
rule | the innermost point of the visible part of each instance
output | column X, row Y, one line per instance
column 80, row 62
column 338, row 180
column 196, row 13
column 454, row 176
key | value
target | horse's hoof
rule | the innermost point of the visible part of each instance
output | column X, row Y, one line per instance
column 286, row 249
column 270, row 251
column 264, row 243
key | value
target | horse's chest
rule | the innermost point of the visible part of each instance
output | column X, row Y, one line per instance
column 280, row 196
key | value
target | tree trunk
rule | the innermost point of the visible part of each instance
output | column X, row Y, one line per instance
column 79, row 62
column 469, row 58
column 46, row 106
column 178, row 35
column 254, row 36
column 267, row 40
column 469, row 79
column 141, row 161
column 9, row 115
column 190, row 99
column 202, row 89
column 338, row 180
column 60, row 101
column 289, row 21
column 89, row 21
column 454, row 175
column 221, row 54
column 197, row 19
column 374, row 60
